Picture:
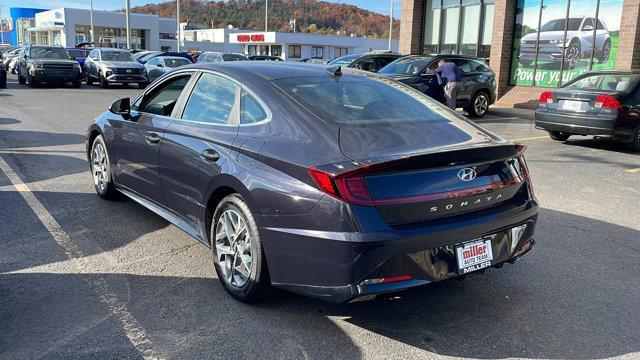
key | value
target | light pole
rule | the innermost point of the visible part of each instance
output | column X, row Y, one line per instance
column 1, row 25
column 178, row 25
column 266, row 15
column 91, row 20
column 128, row 9
column 390, row 25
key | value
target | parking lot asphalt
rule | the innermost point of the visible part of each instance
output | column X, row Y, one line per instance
column 81, row 277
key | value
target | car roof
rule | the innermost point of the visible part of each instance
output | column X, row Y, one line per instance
column 266, row 70
column 110, row 49
column 170, row 57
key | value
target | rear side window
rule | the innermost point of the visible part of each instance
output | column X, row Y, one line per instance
column 211, row 101
column 362, row 100
column 250, row 109
column 604, row 82
column 463, row 65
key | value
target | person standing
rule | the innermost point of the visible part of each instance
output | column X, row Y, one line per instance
column 452, row 81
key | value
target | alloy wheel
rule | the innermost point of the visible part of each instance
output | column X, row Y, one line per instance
column 606, row 52
column 99, row 167
column 233, row 248
column 572, row 55
column 481, row 104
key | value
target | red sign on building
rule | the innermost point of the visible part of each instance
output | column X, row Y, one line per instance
column 251, row 38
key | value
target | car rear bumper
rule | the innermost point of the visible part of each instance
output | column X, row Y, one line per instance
column 578, row 123
column 338, row 267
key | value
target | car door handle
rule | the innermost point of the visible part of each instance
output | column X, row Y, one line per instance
column 210, row 155
column 153, row 138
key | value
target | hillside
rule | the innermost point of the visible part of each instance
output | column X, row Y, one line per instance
column 311, row 16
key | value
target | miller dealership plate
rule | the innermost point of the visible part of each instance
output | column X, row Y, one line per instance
column 475, row 255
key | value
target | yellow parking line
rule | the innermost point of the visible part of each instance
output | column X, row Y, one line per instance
column 636, row 170
column 531, row 138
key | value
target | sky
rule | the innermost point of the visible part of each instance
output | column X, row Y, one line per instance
column 380, row 6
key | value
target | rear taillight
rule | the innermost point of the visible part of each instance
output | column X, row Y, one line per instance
column 348, row 187
column 607, row 102
column 546, row 97
column 520, row 149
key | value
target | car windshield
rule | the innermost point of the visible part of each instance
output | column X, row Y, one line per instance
column 49, row 53
column 79, row 53
column 344, row 60
column 233, row 57
column 604, row 82
column 410, row 66
column 362, row 100
column 176, row 62
column 116, row 56
column 558, row 25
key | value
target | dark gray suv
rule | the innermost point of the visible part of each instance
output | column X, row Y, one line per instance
column 47, row 64
column 107, row 66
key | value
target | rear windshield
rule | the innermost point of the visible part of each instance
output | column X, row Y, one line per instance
column 410, row 66
column 234, row 57
column 176, row 62
column 604, row 82
column 117, row 56
column 362, row 100
column 345, row 60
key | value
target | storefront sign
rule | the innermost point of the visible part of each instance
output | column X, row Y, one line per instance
column 244, row 38
column 251, row 38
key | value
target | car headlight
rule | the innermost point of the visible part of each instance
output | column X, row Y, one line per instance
column 37, row 66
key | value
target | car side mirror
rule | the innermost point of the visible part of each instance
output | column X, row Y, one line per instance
column 587, row 28
column 121, row 107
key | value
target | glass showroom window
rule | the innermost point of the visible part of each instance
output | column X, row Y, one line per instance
column 458, row 27
column 294, row 51
column 341, row 51
column 252, row 50
column 316, row 52
column 557, row 40
column 276, row 50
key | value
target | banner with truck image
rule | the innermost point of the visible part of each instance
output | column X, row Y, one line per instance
column 557, row 40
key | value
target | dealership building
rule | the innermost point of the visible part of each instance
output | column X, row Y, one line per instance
column 67, row 27
column 532, row 45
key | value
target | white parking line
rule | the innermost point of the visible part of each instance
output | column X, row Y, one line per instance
column 132, row 329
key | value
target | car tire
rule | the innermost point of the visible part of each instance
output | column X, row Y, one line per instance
column 103, row 82
column 572, row 54
column 634, row 144
column 559, row 135
column 33, row 83
column 88, row 79
column 603, row 57
column 101, row 169
column 21, row 80
column 252, row 282
column 479, row 104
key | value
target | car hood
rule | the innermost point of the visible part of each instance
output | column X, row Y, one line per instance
column 123, row 64
column 545, row 35
column 53, row 61
column 410, row 139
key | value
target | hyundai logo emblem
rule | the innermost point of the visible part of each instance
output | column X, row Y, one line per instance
column 467, row 174
column 128, row 70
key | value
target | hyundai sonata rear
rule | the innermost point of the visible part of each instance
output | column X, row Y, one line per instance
column 329, row 182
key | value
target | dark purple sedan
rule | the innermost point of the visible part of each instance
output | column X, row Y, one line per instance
column 329, row 182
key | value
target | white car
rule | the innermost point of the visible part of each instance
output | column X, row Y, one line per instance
column 161, row 65
column 579, row 43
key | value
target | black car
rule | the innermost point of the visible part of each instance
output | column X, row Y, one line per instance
column 371, row 62
column 108, row 66
column 376, row 190
column 47, row 64
column 265, row 58
column 599, row 103
column 478, row 80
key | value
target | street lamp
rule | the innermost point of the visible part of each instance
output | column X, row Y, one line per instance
column 178, row 25
column 128, row 9
column 266, row 15
column 390, row 25
column 91, row 21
